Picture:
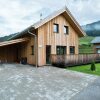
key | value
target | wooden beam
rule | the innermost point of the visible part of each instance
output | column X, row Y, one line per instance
column 13, row 41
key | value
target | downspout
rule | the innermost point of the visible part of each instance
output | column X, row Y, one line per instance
column 35, row 46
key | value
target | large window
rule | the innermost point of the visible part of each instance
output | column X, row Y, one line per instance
column 61, row 50
column 66, row 30
column 56, row 28
column 72, row 49
column 32, row 50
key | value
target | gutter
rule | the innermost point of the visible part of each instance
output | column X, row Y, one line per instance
column 35, row 46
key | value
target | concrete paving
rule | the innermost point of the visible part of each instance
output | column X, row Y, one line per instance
column 92, row 92
column 25, row 82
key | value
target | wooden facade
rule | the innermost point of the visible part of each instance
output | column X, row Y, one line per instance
column 96, row 47
column 46, row 39
column 14, row 52
column 46, row 36
column 96, row 44
column 72, row 60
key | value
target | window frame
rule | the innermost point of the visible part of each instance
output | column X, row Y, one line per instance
column 67, row 29
column 32, row 50
column 72, row 47
column 57, row 28
column 62, row 50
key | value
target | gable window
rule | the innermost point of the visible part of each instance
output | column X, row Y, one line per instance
column 56, row 28
column 32, row 50
column 72, row 49
column 66, row 30
column 61, row 50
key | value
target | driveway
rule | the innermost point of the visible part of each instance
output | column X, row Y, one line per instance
column 25, row 82
column 92, row 92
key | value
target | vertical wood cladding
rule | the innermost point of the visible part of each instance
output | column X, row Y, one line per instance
column 46, row 36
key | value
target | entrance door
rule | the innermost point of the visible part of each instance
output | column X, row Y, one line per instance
column 48, row 53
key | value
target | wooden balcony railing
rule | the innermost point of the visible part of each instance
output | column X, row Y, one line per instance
column 71, row 60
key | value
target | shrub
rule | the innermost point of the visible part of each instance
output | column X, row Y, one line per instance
column 58, row 64
column 93, row 67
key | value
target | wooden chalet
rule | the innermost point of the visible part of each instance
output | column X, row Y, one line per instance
column 57, row 34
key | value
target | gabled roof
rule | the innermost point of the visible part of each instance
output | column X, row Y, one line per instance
column 63, row 11
column 96, row 40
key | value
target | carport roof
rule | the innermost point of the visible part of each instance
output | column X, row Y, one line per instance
column 13, row 42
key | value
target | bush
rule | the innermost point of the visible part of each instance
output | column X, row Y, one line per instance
column 59, row 64
column 93, row 67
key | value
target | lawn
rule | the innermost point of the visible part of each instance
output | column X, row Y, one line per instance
column 85, row 45
column 86, row 69
column 86, row 40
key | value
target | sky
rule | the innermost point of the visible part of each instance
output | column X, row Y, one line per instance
column 16, row 15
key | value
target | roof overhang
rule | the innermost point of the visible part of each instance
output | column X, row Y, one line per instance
column 63, row 11
column 6, row 43
column 69, row 17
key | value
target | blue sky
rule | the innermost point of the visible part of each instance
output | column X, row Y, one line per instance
column 16, row 15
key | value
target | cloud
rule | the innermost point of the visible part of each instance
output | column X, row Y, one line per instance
column 85, row 11
column 16, row 15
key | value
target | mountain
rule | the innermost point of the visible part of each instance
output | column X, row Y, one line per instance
column 5, row 38
column 92, row 29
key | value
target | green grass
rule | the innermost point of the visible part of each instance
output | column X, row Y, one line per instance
column 85, row 45
column 86, row 69
column 86, row 49
column 86, row 40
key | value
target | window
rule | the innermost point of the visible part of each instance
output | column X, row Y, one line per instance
column 66, row 30
column 56, row 28
column 61, row 50
column 32, row 50
column 72, row 50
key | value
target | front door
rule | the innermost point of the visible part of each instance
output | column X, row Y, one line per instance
column 48, row 53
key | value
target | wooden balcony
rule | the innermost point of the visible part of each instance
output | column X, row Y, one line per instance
column 72, row 60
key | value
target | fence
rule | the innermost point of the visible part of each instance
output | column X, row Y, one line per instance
column 70, row 60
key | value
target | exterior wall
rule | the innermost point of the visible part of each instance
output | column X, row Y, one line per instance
column 25, row 51
column 46, row 36
column 94, row 47
column 8, row 54
column 13, row 53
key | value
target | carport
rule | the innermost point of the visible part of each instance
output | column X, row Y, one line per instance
column 11, row 51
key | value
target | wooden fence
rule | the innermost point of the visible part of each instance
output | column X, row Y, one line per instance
column 70, row 60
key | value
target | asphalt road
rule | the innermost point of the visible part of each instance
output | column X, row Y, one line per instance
column 92, row 92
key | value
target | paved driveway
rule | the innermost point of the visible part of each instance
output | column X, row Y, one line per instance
column 24, row 82
column 92, row 92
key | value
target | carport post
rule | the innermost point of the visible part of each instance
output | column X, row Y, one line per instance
column 35, row 45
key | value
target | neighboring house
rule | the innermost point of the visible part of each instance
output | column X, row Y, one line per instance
column 57, row 34
column 96, row 44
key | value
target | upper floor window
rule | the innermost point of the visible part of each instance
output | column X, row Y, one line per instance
column 66, row 30
column 61, row 50
column 72, row 49
column 56, row 28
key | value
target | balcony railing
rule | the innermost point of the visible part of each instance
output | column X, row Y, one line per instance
column 71, row 60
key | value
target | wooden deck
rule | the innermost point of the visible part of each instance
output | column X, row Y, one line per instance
column 71, row 60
